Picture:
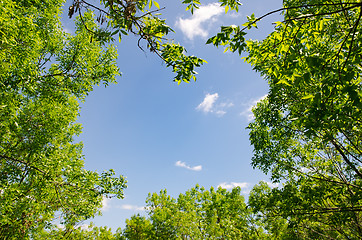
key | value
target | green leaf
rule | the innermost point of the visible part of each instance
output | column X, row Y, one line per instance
column 156, row 4
column 308, row 96
column 285, row 82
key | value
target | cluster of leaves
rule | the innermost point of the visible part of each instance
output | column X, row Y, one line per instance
column 141, row 19
column 84, row 232
column 44, row 72
column 192, row 5
column 228, row 4
column 307, row 133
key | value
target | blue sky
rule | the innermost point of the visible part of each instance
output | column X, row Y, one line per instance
column 161, row 135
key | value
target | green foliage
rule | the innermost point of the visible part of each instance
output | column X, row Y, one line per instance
column 275, row 225
column 197, row 214
column 231, row 37
column 183, row 65
column 85, row 232
column 44, row 73
column 251, row 22
column 138, row 227
column 192, row 4
column 230, row 5
column 138, row 17
column 306, row 133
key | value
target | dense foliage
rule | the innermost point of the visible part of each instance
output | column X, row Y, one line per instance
column 84, row 232
column 44, row 72
column 196, row 214
column 307, row 132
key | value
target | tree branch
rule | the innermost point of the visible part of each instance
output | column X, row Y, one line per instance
column 22, row 162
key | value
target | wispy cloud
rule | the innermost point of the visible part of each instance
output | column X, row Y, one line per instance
column 195, row 25
column 245, row 186
column 184, row 165
column 249, row 106
column 105, row 204
column 131, row 207
column 209, row 105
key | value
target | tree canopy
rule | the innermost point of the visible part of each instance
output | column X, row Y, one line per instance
column 44, row 72
column 307, row 131
column 196, row 214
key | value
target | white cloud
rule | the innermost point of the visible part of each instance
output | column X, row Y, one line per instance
column 195, row 25
column 105, row 204
column 245, row 187
column 247, row 112
column 220, row 113
column 226, row 105
column 208, row 105
column 233, row 185
column 234, row 14
column 184, row 165
column 131, row 207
